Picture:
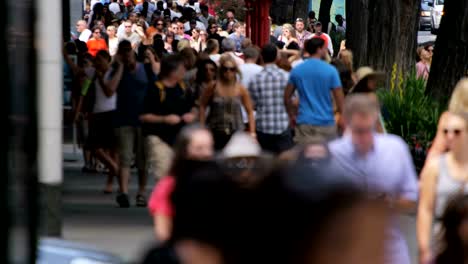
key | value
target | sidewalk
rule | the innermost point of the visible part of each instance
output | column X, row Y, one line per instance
column 93, row 218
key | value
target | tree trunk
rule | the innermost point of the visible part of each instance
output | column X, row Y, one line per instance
column 301, row 8
column 324, row 14
column 450, row 61
column 382, row 39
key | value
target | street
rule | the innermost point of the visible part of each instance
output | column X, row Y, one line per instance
column 93, row 218
column 425, row 36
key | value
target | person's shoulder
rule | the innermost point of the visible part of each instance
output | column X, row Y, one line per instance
column 391, row 141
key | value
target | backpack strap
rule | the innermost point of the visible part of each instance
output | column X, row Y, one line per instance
column 162, row 90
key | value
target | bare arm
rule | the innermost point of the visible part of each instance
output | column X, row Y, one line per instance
column 110, row 86
column 338, row 95
column 162, row 227
column 288, row 93
column 204, row 100
column 424, row 218
column 247, row 102
column 152, row 118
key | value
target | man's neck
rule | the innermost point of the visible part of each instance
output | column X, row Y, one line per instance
column 250, row 61
column 315, row 56
column 168, row 83
column 300, row 32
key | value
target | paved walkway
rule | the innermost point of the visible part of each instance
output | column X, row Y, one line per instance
column 93, row 218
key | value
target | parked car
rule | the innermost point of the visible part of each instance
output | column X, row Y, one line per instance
column 57, row 251
column 425, row 22
column 436, row 15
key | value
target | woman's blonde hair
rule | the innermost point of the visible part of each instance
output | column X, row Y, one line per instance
column 291, row 29
column 112, row 28
column 224, row 59
column 346, row 56
column 459, row 99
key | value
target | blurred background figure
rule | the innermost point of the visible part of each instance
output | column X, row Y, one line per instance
column 423, row 67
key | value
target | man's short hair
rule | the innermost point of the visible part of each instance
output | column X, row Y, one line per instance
column 251, row 53
column 359, row 104
column 269, row 53
column 312, row 45
column 236, row 25
column 211, row 46
column 229, row 44
column 203, row 7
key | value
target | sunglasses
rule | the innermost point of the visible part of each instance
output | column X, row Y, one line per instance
column 128, row 26
column 456, row 132
column 429, row 49
column 231, row 69
column 97, row 32
column 160, row 24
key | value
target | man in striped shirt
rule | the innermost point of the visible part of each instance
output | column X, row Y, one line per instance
column 267, row 91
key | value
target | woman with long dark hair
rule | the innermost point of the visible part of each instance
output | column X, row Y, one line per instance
column 96, row 14
column 454, row 239
column 205, row 77
column 193, row 143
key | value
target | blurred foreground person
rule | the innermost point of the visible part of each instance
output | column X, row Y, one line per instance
column 193, row 143
column 442, row 178
column 220, row 222
column 380, row 165
column 454, row 239
column 458, row 103
column 168, row 106
column 243, row 160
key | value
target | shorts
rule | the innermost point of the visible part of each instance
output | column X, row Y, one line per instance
column 101, row 131
column 130, row 145
column 159, row 156
column 307, row 133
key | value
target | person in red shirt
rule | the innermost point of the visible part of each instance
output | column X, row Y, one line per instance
column 96, row 42
column 193, row 143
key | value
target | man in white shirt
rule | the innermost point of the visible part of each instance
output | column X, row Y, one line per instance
column 130, row 35
column 205, row 16
column 114, row 7
column 229, row 47
column 250, row 68
column 324, row 36
column 82, row 29
column 133, row 18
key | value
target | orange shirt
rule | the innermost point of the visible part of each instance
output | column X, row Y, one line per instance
column 95, row 45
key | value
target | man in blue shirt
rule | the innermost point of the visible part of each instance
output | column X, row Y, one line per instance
column 315, row 81
column 238, row 35
column 380, row 165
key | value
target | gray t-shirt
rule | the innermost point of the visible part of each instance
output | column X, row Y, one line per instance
column 134, row 38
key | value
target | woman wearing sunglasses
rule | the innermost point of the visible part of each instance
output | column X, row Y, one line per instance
column 225, row 99
column 442, row 178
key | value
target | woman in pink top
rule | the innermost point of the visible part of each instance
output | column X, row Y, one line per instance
column 193, row 143
column 424, row 65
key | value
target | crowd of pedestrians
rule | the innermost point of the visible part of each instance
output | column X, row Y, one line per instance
column 258, row 147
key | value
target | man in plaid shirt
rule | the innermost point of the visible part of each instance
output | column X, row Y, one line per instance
column 267, row 90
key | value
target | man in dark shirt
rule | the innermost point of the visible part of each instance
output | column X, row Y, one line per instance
column 129, row 80
column 168, row 106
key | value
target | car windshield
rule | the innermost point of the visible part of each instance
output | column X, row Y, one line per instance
column 439, row 2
